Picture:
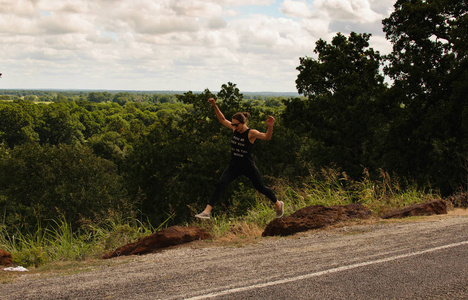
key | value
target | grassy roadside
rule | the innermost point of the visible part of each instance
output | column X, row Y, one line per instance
column 60, row 250
column 71, row 267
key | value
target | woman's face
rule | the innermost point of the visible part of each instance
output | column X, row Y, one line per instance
column 237, row 125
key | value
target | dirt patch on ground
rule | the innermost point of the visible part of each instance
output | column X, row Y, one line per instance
column 458, row 212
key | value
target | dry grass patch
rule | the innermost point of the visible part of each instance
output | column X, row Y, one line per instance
column 458, row 212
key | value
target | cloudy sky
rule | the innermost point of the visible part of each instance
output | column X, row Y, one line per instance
column 172, row 44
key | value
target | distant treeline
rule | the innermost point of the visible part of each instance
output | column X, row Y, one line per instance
column 122, row 97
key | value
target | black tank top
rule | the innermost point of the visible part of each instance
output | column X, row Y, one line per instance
column 241, row 147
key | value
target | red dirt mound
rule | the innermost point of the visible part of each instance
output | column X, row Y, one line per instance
column 314, row 217
column 171, row 236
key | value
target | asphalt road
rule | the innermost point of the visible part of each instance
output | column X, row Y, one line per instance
column 417, row 260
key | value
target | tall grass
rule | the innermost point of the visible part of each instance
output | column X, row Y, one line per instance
column 329, row 187
column 246, row 216
column 61, row 243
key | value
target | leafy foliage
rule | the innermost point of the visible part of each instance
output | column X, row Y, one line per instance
column 429, row 67
column 40, row 183
column 343, row 112
column 18, row 123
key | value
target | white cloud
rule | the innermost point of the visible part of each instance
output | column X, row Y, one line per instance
column 380, row 44
column 197, row 8
column 165, row 24
column 22, row 8
column 318, row 28
column 298, row 9
column 63, row 24
column 245, row 2
column 170, row 44
column 348, row 10
column 63, row 6
column 16, row 25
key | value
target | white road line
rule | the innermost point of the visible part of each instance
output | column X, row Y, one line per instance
column 325, row 272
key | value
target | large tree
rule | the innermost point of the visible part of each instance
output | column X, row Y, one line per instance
column 429, row 67
column 341, row 114
column 18, row 123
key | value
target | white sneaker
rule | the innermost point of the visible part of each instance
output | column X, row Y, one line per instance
column 279, row 213
column 203, row 215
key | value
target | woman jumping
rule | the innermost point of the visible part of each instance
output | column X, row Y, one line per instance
column 242, row 162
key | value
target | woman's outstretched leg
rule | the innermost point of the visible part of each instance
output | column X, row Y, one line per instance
column 254, row 175
column 229, row 174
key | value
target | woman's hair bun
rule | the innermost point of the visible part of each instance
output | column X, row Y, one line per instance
column 241, row 116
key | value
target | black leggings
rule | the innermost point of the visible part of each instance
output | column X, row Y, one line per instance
column 232, row 172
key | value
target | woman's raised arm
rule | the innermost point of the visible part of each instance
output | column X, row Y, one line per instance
column 255, row 134
column 220, row 115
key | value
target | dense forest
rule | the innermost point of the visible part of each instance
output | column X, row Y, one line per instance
column 87, row 155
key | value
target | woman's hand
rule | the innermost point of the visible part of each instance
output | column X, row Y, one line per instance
column 270, row 121
column 212, row 101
